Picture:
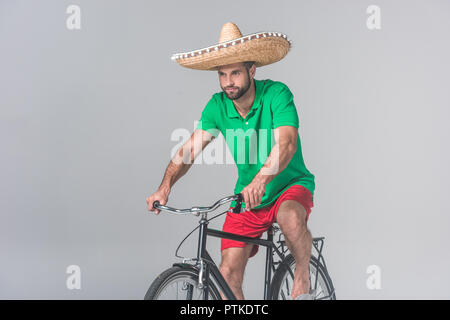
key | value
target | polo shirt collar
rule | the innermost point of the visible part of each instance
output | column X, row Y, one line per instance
column 231, row 110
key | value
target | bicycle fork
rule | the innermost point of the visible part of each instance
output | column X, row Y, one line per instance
column 207, row 266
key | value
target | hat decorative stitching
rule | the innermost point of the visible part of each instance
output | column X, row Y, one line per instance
column 197, row 52
column 261, row 47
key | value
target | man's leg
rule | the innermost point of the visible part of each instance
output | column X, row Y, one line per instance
column 291, row 217
column 232, row 268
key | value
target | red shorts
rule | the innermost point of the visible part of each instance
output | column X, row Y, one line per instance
column 253, row 223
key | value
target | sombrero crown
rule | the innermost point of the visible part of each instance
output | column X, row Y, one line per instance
column 263, row 47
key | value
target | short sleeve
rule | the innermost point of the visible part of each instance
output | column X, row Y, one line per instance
column 207, row 120
column 284, row 111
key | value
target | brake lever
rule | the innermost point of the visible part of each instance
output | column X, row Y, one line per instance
column 238, row 207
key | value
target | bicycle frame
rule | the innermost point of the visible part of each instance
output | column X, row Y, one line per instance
column 206, row 265
column 210, row 267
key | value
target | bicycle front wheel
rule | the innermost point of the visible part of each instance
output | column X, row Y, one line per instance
column 180, row 283
column 283, row 280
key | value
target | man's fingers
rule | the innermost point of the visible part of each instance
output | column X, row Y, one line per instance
column 258, row 201
column 246, row 199
column 150, row 205
column 252, row 200
column 252, row 197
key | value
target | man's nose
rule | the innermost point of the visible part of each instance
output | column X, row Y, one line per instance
column 229, row 82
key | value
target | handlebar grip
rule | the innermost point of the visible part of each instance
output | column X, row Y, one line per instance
column 238, row 207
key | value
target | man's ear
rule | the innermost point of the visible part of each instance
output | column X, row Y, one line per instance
column 253, row 70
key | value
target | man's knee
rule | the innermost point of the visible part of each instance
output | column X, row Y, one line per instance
column 291, row 217
column 232, row 275
column 233, row 263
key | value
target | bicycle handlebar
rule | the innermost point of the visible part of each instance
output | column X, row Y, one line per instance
column 197, row 210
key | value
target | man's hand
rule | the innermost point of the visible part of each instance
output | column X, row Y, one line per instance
column 253, row 194
column 162, row 195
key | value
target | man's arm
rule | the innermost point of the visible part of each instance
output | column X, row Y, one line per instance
column 184, row 157
column 179, row 165
column 280, row 155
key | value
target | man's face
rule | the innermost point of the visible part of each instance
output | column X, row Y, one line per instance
column 234, row 80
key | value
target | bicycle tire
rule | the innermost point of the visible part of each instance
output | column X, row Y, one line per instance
column 281, row 272
column 187, row 273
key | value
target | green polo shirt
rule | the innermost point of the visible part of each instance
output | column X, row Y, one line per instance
column 250, row 140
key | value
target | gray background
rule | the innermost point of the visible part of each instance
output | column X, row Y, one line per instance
column 87, row 117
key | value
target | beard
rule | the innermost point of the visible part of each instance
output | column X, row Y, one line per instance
column 240, row 90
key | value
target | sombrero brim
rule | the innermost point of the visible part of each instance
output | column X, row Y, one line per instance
column 264, row 48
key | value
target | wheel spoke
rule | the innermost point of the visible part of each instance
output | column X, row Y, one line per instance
column 181, row 284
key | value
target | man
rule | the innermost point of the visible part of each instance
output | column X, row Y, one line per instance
column 276, row 187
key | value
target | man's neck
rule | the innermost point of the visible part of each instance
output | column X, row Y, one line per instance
column 244, row 103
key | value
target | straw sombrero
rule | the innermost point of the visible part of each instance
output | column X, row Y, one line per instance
column 263, row 47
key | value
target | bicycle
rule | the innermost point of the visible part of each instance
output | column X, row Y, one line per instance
column 200, row 279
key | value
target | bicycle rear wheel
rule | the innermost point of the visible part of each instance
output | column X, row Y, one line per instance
column 179, row 283
column 282, row 280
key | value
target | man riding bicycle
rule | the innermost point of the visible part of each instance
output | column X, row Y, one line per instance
column 259, row 121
